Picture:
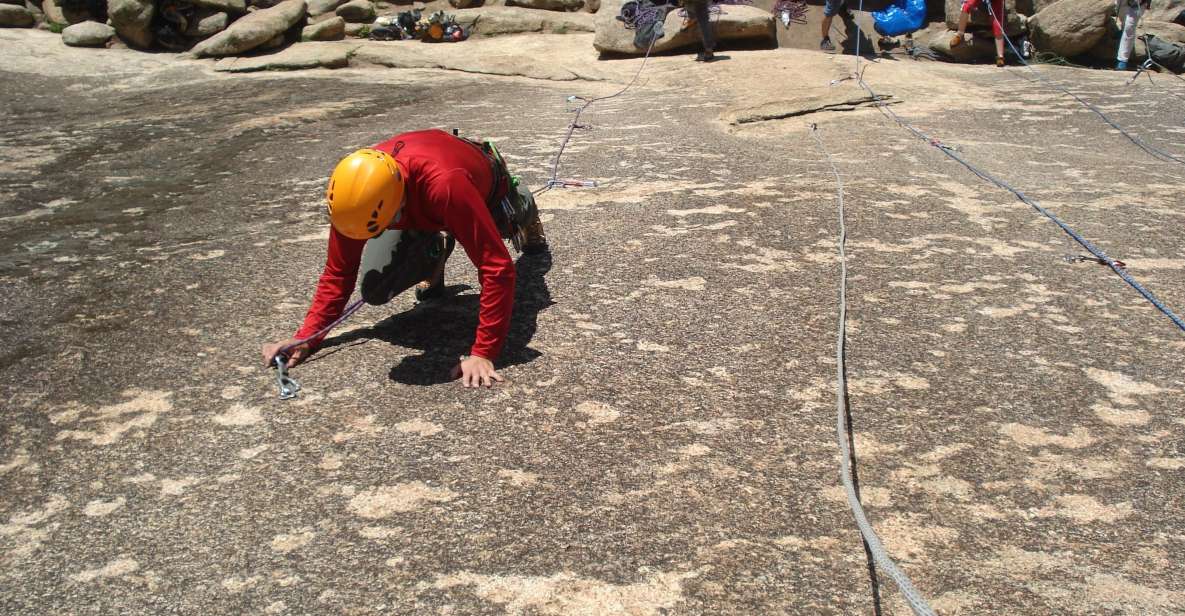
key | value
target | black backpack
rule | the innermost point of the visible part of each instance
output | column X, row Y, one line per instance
column 1166, row 54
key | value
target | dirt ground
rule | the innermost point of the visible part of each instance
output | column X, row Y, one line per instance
column 665, row 440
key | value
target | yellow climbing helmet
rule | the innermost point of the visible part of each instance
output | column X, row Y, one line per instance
column 365, row 192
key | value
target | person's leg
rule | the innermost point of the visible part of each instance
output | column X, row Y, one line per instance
column 1129, row 16
column 998, row 29
column 830, row 10
column 433, row 286
column 703, row 18
column 964, row 17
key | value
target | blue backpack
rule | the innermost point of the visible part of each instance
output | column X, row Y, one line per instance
column 902, row 17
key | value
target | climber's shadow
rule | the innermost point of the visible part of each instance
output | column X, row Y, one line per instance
column 443, row 329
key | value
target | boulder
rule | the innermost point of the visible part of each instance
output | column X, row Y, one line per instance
column 132, row 20
column 321, row 7
column 357, row 30
column 736, row 22
column 500, row 20
column 252, row 30
column 592, row 5
column 275, row 42
column 236, row 7
column 464, row 4
column 356, row 11
column 1164, row 10
column 973, row 49
column 327, row 30
column 1014, row 21
column 296, row 57
column 548, row 5
column 1041, row 5
column 14, row 2
column 13, row 16
column 207, row 23
column 1071, row 27
column 87, row 34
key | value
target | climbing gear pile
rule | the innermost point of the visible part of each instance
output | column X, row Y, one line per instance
column 790, row 12
column 437, row 27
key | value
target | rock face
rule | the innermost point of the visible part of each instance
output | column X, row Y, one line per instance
column 321, row 7
column 12, row 16
column 207, row 23
column 737, row 22
column 548, row 5
column 357, row 11
column 464, row 4
column 1014, row 21
column 131, row 19
column 87, row 34
column 253, row 30
column 329, row 30
column 1071, row 27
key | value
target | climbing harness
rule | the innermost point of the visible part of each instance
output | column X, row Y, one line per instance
column 1152, row 150
column 872, row 542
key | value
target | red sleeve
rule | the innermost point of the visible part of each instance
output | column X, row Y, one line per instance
column 468, row 219
column 336, row 284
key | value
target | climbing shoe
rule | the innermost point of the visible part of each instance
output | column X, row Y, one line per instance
column 1120, row 65
column 956, row 40
column 1000, row 62
column 536, row 239
column 826, row 45
column 433, row 288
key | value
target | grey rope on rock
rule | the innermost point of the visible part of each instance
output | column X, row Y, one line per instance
column 872, row 541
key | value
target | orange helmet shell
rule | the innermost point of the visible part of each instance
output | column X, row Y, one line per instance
column 365, row 193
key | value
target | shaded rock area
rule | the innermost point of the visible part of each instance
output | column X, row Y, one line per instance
column 132, row 20
column 12, row 16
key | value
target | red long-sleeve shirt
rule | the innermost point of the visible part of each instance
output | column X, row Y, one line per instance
column 447, row 182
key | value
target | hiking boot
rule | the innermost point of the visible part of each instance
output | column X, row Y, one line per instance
column 999, row 62
column 956, row 40
column 707, row 56
column 1120, row 65
column 536, row 239
column 826, row 45
column 699, row 57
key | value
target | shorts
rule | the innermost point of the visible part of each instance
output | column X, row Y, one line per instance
column 833, row 8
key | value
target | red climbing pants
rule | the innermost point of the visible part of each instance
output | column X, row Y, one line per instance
column 997, row 8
